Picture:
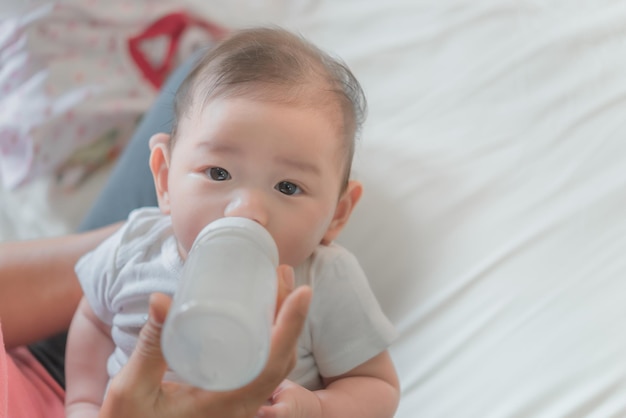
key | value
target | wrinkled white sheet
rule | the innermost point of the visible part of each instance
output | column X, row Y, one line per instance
column 43, row 209
column 493, row 225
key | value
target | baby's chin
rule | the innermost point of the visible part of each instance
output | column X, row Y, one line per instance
column 295, row 260
column 182, row 251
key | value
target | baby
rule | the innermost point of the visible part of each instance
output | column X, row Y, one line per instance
column 264, row 128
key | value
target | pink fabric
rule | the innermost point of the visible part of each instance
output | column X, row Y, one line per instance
column 78, row 74
column 26, row 388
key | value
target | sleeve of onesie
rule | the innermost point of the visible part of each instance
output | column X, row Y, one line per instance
column 348, row 327
column 96, row 272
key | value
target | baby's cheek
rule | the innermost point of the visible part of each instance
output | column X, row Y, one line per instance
column 185, row 238
column 293, row 253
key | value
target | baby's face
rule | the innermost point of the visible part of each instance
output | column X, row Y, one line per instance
column 278, row 164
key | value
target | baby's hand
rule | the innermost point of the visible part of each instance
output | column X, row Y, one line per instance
column 291, row 400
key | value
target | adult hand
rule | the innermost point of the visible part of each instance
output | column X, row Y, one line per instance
column 138, row 390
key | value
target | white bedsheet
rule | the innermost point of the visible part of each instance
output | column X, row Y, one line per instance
column 493, row 224
column 43, row 209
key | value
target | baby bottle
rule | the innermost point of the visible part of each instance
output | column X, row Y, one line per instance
column 217, row 333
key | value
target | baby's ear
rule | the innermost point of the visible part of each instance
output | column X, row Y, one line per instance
column 159, row 138
column 345, row 206
column 159, row 165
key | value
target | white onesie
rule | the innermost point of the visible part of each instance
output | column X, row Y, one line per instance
column 345, row 325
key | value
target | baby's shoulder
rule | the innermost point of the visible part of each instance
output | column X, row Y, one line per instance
column 143, row 221
column 328, row 263
column 143, row 234
column 329, row 254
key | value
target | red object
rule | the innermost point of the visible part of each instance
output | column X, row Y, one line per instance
column 173, row 26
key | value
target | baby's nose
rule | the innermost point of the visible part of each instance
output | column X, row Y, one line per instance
column 248, row 203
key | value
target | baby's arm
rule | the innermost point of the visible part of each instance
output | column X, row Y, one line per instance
column 88, row 347
column 369, row 390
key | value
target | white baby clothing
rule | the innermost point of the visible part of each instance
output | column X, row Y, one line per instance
column 344, row 328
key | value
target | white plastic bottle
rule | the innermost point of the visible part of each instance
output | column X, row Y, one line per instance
column 217, row 333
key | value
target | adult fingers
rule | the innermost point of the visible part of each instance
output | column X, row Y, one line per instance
column 247, row 400
column 146, row 366
column 286, row 284
column 135, row 390
column 287, row 328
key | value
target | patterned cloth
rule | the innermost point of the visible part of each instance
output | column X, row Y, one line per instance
column 75, row 77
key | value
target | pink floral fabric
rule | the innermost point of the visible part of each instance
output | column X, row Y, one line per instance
column 75, row 79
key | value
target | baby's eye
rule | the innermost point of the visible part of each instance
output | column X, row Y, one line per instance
column 288, row 188
column 218, row 174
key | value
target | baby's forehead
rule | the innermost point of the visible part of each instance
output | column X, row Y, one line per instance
column 320, row 110
column 316, row 96
column 323, row 107
column 307, row 90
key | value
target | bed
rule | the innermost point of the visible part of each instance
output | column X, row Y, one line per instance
column 493, row 224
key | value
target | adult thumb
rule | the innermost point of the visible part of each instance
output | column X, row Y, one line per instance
column 146, row 366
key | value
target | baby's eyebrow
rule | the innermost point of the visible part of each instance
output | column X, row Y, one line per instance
column 298, row 165
column 221, row 148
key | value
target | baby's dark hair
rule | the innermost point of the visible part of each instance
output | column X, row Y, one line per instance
column 272, row 64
